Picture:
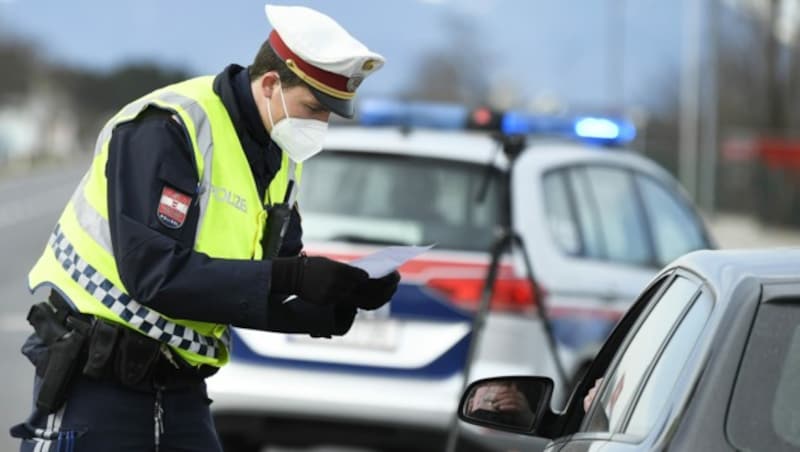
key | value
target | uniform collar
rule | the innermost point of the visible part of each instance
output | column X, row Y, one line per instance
column 232, row 85
column 243, row 96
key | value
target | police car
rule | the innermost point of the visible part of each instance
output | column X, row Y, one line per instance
column 596, row 223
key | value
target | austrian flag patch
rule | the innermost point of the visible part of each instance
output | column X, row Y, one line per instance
column 173, row 207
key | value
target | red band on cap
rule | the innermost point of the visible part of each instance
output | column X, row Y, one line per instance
column 335, row 81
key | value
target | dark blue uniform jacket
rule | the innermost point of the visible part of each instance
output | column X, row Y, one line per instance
column 157, row 263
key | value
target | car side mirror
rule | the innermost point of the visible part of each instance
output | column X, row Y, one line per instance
column 513, row 404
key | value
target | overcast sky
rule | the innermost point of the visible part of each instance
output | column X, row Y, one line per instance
column 552, row 48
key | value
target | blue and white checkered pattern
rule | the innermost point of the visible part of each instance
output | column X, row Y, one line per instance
column 132, row 312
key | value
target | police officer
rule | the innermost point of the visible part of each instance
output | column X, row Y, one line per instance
column 185, row 224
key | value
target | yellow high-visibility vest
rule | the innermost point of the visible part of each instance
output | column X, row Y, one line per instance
column 78, row 261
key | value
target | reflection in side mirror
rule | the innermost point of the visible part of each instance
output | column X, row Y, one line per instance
column 515, row 404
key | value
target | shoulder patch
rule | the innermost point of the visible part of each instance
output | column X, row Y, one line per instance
column 173, row 207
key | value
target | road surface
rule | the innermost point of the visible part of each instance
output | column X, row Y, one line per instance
column 29, row 207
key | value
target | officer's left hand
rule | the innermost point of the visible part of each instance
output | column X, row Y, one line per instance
column 374, row 293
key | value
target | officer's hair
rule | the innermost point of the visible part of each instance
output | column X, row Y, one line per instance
column 267, row 60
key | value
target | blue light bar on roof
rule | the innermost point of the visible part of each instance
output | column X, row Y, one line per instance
column 516, row 123
column 605, row 129
column 379, row 112
column 432, row 115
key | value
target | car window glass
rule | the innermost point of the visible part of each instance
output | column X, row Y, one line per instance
column 662, row 379
column 621, row 383
column 765, row 406
column 576, row 415
column 588, row 217
column 623, row 232
column 370, row 198
column 559, row 214
column 676, row 229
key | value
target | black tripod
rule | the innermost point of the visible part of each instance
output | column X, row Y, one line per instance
column 506, row 241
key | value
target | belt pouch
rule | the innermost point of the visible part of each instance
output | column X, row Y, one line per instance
column 102, row 340
column 135, row 358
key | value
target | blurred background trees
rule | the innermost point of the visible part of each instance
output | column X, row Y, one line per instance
column 65, row 105
column 746, row 96
column 758, row 120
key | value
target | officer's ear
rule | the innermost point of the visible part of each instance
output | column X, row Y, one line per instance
column 269, row 83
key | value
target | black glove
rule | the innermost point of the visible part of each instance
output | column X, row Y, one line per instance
column 343, row 317
column 374, row 293
column 316, row 279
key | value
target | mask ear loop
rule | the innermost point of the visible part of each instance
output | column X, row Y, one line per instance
column 269, row 113
column 283, row 101
column 291, row 189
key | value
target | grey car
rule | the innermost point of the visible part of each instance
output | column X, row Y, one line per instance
column 707, row 359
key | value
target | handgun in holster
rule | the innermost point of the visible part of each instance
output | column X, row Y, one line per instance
column 64, row 346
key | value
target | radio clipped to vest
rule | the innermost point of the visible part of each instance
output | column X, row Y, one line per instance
column 278, row 216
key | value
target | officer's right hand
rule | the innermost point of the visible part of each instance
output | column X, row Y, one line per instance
column 375, row 293
column 316, row 279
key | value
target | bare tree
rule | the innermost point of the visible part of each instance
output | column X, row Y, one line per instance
column 455, row 72
column 21, row 65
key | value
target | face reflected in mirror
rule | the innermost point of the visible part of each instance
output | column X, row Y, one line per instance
column 505, row 402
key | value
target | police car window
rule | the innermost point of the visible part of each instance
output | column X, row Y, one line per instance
column 676, row 229
column 622, row 382
column 377, row 198
column 559, row 213
column 588, row 215
column 662, row 379
column 623, row 232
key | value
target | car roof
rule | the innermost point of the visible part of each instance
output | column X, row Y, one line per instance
column 479, row 147
column 724, row 270
column 465, row 146
column 550, row 153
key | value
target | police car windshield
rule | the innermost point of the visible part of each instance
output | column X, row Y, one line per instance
column 389, row 199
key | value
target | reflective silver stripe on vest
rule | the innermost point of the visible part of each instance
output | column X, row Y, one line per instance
column 132, row 312
column 90, row 219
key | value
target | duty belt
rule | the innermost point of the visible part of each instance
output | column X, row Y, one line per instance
column 123, row 355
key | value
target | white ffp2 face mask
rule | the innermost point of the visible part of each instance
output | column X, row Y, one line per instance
column 299, row 138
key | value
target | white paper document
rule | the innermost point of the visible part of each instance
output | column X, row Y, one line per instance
column 383, row 262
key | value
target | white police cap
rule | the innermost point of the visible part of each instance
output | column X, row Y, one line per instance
column 322, row 53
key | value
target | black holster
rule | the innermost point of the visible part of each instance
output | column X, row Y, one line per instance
column 64, row 347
